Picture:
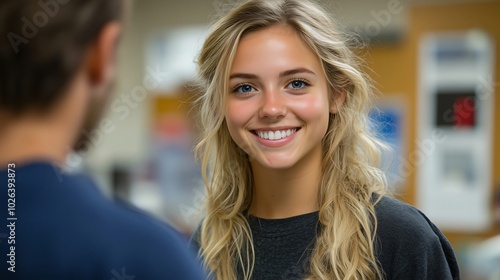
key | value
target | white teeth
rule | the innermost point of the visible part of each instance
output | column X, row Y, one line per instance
column 271, row 135
column 276, row 135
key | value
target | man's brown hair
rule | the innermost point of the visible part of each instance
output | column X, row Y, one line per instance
column 42, row 44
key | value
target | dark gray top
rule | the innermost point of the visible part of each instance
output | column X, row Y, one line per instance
column 408, row 246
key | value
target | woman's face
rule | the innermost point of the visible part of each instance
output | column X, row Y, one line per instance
column 277, row 109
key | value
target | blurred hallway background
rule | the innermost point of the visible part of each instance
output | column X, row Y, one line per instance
column 435, row 63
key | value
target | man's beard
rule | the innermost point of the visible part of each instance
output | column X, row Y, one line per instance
column 95, row 109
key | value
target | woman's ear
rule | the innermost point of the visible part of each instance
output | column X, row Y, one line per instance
column 337, row 101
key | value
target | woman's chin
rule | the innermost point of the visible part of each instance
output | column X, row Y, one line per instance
column 276, row 163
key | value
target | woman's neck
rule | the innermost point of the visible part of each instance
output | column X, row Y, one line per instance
column 283, row 193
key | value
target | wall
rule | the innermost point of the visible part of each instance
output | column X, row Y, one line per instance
column 395, row 72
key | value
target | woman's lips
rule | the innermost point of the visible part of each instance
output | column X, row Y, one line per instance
column 275, row 137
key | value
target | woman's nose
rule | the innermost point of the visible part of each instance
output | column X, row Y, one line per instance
column 273, row 105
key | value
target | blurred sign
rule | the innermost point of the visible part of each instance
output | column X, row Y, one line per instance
column 386, row 119
column 455, row 122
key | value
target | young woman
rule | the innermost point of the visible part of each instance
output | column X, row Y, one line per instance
column 293, row 190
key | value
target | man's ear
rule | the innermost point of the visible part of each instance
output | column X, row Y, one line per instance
column 337, row 101
column 102, row 53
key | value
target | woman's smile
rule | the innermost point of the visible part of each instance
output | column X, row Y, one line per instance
column 275, row 137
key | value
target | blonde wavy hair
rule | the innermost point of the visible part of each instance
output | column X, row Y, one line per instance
column 344, row 248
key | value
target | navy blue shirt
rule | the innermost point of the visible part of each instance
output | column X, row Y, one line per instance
column 62, row 227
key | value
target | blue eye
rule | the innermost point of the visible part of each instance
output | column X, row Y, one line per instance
column 297, row 84
column 244, row 88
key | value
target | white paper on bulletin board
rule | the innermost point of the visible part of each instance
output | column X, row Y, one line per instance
column 172, row 55
column 454, row 147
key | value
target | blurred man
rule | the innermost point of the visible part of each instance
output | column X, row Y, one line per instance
column 57, row 66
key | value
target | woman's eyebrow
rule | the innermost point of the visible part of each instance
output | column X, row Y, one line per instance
column 282, row 74
column 296, row 71
column 243, row 76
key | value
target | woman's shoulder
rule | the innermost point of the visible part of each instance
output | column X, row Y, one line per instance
column 399, row 219
column 409, row 244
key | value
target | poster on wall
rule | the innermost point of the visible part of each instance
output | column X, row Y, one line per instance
column 387, row 119
column 455, row 116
